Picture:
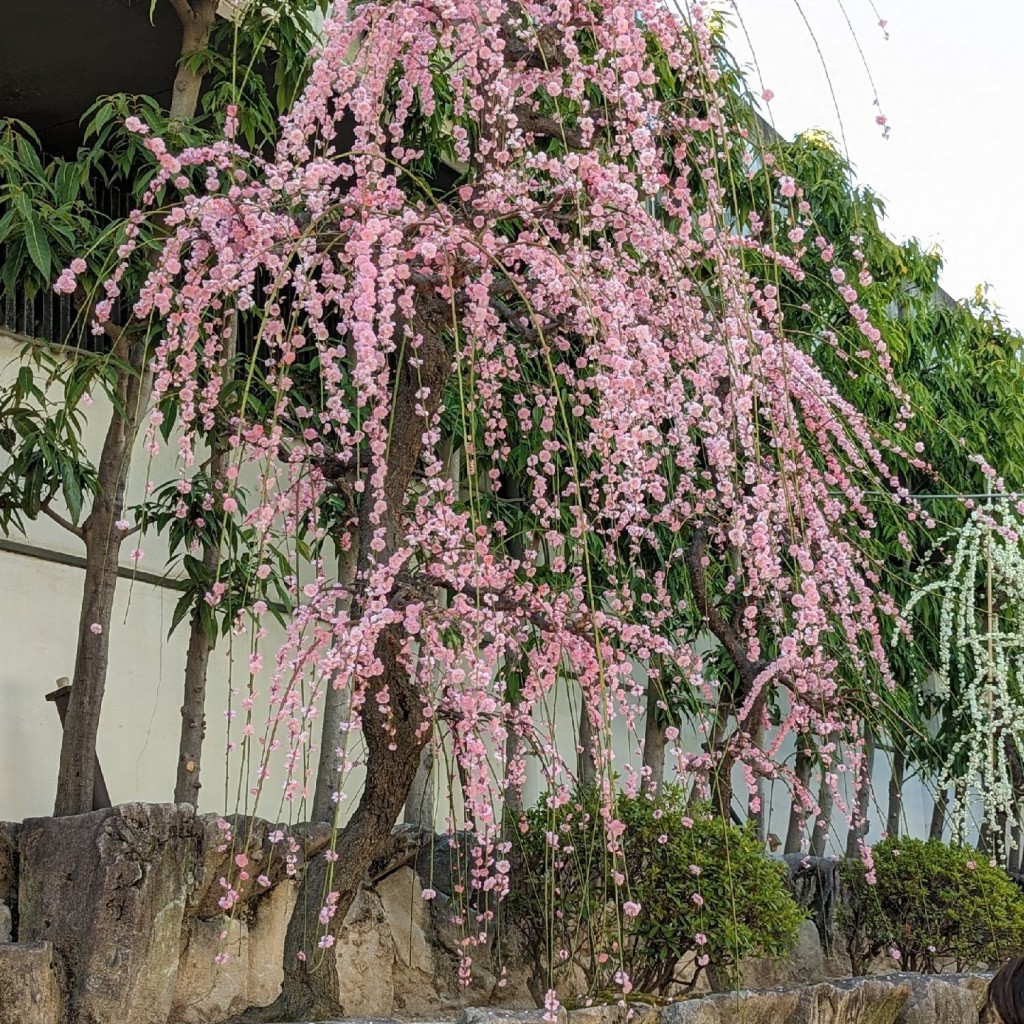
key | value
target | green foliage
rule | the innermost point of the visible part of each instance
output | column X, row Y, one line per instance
column 43, row 439
column 192, row 518
column 705, row 887
column 931, row 902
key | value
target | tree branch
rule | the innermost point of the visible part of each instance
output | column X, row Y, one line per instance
column 61, row 521
column 721, row 628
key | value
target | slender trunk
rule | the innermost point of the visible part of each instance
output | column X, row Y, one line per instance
column 895, row 810
column 655, row 739
column 756, row 812
column 822, row 824
column 101, row 535
column 201, row 643
column 336, row 712
column 797, row 813
column 1013, row 861
column 103, row 540
column 197, row 18
column 938, row 823
column 859, row 828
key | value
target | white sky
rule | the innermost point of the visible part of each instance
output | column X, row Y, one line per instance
column 951, row 81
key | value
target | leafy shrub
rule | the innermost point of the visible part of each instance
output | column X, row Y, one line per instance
column 930, row 902
column 685, row 882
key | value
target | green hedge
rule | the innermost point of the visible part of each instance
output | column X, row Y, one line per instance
column 930, row 903
column 704, row 887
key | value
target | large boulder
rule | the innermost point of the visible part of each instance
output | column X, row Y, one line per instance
column 213, row 973
column 935, row 999
column 108, row 890
column 30, row 984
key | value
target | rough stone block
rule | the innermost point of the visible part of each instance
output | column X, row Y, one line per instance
column 108, row 889
column 30, row 984
column 207, row 991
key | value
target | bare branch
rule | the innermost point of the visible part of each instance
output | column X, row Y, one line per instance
column 61, row 521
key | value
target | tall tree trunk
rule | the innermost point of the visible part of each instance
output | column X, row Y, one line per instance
column 655, row 739
column 797, row 813
column 393, row 742
column 859, row 829
column 102, row 552
column 823, row 822
column 938, row 822
column 102, row 538
column 197, row 18
column 895, row 809
column 200, row 643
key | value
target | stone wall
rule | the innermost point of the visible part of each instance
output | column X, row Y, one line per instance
column 117, row 921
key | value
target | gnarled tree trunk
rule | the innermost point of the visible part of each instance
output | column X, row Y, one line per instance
column 393, row 743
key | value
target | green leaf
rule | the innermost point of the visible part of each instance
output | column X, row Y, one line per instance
column 38, row 247
column 181, row 609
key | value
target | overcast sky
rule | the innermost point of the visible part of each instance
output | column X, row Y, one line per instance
column 951, row 82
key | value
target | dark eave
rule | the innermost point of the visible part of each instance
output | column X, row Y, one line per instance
column 58, row 56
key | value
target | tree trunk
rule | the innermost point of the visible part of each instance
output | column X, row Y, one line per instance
column 655, row 739
column 102, row 551
column 797, row 813
column 393, row 743
column 758, row 816
column 823, row 822
column 200, row 645
column 938, row 823
column 336, row 711
column 197, row 18
column 586, row 762
column 102, row 539
column 310, row 989
column 859, row 829
column 895, row 810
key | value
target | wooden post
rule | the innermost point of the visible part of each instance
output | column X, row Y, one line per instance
column 100, row 797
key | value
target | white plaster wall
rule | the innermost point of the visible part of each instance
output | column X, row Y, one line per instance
column 39, row 608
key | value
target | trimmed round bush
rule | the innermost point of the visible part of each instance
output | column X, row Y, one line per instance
column 930, row 903
column 686, row 892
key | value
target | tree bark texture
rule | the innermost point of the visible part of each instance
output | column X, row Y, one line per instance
column 822, row 824
column 938, row 822
column 197, row 18
column 859, row 829
column 392, row 757
column 655, row 739
column 335, row 713
column 200, row 645
column 102, row 551
column 894, row 813
column 797, row 814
